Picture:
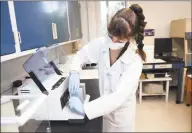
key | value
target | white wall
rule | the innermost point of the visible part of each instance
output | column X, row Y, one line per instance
column 158, row 16
column 84, row 22
column 160, row 13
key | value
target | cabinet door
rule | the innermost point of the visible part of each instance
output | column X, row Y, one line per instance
column 7, row 38
column 34, row 22
column 59, row 17
column 74, row 19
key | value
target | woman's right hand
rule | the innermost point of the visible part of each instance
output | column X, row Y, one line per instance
column 74, row 81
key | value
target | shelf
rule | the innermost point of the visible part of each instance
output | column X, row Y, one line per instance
column 68, row 42
column 16, row 55
column 27, row 52
column 158, row 94
column 156, row 79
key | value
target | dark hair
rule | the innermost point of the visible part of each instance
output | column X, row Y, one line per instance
column 127, row 23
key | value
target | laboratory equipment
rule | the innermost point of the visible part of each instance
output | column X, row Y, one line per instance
column 182, row 35
column 163, row 47
column 47, row 79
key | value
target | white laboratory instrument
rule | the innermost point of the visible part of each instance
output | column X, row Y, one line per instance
column 49, row 80
column 50, row 86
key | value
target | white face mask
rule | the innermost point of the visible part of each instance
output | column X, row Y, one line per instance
column 113, row 45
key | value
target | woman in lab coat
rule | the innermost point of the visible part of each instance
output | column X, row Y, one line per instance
column 120, row 59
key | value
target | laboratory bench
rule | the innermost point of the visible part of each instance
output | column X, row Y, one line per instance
column 163, row 66
column 95, row 125
column 90, row 79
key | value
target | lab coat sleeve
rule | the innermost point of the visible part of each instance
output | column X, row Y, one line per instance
column 87, row 54
column 126, row 88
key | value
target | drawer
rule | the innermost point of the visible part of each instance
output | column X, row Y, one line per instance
column 147, row 66
column 160, row 66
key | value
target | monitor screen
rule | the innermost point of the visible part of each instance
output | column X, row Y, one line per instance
column 39, row 65
column 163, row 45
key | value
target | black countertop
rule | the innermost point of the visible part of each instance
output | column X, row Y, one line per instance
column 95, row 125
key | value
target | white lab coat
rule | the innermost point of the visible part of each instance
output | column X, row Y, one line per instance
column 118, row 84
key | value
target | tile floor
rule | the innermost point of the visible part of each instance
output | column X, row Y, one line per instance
column 154, row 115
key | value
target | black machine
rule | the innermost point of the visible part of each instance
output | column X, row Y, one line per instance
column 163, row 49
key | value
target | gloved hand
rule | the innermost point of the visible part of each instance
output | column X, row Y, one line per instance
column 74, row 82
column 76, row 105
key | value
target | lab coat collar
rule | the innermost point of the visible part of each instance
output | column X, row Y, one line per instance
column 105, row 46
column 127, row 57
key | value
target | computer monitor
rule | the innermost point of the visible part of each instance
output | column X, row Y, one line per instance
column 163, row 46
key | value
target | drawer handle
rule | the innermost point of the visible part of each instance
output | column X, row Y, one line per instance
column 19, row 34
column 77, row 29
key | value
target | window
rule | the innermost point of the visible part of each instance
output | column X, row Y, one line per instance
column 108, row 9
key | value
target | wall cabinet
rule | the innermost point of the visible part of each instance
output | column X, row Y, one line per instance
column 39, row 23
column 7, row 38
column 33, row 24
column 60, row 19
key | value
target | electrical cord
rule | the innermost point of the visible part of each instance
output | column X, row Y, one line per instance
column 26, row 77
column 7, row 90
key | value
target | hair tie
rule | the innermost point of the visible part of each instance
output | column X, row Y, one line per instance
column 133, row 9
column 140, row 46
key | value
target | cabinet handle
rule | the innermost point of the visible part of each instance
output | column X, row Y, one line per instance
column 54, row 30
column 69, row 35
column 19, row 37
column 77, row 29
column 56, row 37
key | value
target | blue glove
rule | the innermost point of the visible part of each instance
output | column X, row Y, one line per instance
column 76, row 105
column 74, row 82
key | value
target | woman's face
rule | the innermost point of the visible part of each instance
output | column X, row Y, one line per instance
column 119, row 40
